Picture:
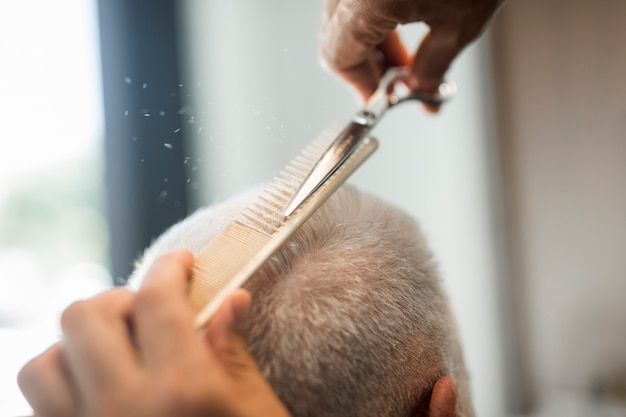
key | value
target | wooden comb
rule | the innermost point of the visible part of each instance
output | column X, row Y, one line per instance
column 247, row 242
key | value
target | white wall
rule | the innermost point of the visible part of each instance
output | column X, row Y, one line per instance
column 562, row 100
column 262, row 96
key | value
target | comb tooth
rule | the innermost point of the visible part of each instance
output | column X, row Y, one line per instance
column 323, row 141
column 260, row 215
column 311, row 154
column 271, row 210
column 304, row 162
column 262, row 208
column 279, row 193
column 255, row 222
column 242, row 223
column 286, row 176
column 290, row 184
column 265, row 217
column 295, row 171
column 282, row 199
column 315, row 149
column 304, row 168
column 318, row 144
column 251, row 221
column 271, row 202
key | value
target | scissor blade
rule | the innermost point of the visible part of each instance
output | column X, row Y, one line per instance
column 331, row 160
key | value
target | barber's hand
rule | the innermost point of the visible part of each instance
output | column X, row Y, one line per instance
column 137, row 354
column 359, row 40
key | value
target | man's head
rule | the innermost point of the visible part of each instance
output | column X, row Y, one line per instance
column 348, row 317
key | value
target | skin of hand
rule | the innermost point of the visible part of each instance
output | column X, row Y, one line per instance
column 137, row 354
column 359, row 40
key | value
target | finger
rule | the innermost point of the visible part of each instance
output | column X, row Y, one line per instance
column 162, row 317
column 434, row 55
column 329, row 10
column 450, row 31
column 225, row 333
column 98, row 344
column 394, row 51
column 366, row 77
column 47, row 385
column 433, row 58
column 349, row 38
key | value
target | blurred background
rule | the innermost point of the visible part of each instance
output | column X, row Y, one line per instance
column 119, row 118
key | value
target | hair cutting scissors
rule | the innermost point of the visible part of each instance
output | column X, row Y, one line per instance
column 392, row 90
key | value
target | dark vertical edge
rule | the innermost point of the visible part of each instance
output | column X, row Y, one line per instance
column 144, row 149
column 521, row 395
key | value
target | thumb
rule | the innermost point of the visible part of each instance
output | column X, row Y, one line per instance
column 434, row 55
column 439, row 48
column 225, row 333
column 433, row 58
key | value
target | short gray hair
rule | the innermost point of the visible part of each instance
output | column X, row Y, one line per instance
column 348, row 317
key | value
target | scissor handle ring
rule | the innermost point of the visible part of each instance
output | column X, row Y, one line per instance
column 394, row 83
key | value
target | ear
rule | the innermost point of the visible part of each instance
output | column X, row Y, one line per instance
column 443, row 398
